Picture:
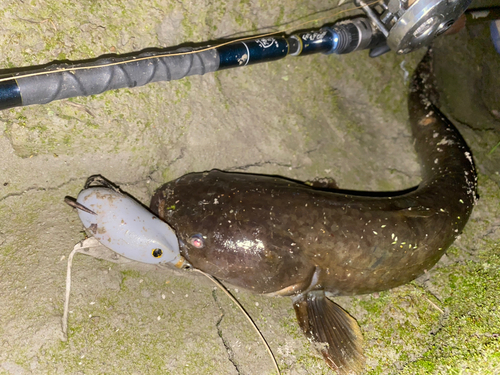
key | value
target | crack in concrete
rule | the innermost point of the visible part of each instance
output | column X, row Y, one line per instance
column 149, row 178
column 225, row 342
column 314, row 149
column 181, row 155
column 38, row 188
column 490, row 231
column 472, row 127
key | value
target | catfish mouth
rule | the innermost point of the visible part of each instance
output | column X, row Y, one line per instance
column 184, row 249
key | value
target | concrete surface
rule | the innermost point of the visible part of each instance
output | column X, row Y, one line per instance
column 343, row 117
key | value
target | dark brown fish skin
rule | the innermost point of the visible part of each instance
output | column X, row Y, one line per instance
column 277, row 236
column 268, row 234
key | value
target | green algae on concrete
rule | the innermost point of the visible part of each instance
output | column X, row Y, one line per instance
column 446, row 322
column 317, row 116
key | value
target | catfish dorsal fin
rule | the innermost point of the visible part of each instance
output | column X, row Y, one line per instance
column 335, row 332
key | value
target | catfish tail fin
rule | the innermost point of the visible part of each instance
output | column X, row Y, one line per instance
column 335, row 333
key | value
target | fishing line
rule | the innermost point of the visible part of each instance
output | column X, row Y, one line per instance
column 75, row 250
column 92, row 242
column 247, row 315
column 264, row 35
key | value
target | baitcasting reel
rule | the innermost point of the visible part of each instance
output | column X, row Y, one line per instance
column 411, row 24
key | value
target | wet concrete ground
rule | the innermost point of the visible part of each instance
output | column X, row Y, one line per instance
column 338, row 116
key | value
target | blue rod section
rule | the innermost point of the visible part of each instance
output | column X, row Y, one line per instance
column 10, row 94
column 252, row 52
column 317, row 41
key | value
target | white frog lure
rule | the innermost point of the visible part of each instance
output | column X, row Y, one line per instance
column 124, row 225
column 115, row 221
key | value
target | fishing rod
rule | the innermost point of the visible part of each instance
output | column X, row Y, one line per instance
column 399, row 25
column 63, row 81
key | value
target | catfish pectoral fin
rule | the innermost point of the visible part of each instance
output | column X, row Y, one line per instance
column 335, row 332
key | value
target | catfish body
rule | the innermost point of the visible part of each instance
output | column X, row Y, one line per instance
column 280, row 237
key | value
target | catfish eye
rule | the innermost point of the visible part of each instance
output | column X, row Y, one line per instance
column 197, row 241
column 157, row 253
